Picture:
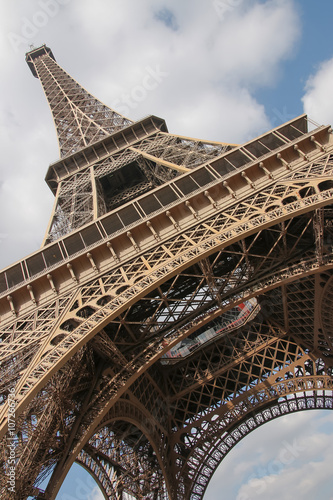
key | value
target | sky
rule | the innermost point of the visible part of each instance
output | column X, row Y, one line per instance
column 224, row 70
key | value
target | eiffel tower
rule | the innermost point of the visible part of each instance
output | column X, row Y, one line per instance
column 182, row 297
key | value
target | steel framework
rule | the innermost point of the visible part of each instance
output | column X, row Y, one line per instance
column 182, row 297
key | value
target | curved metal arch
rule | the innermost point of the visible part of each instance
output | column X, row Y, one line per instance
column 192, row 444
column 252, row 419
column 55, row 358
column 271, row 284
column 281, row 408
column 146, row 426
column 225, row 444
column 122, row 410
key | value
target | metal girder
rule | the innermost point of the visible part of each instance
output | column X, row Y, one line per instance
column 168, row 313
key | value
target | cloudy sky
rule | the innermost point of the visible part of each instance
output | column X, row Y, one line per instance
column 217, row 69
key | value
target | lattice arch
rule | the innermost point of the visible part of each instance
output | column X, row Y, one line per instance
column 103, row 474
column 251, row 420
column 124, row 451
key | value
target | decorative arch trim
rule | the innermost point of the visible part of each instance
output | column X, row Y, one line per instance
column 288, row 404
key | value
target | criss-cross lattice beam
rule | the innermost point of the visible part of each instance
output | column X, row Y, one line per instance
column 88, row 194
column 304, row 400
column 80, row 119
column 167, row 308
column 188, row 240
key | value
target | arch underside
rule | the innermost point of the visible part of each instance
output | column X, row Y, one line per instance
column 117, row 484
column 122, row 458
column 177, row 394
column 108, row 475
column 123, row 454
column 308, row 400
column 286, row 266
column 269, row 368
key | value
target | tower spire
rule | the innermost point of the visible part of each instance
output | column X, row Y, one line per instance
column 80, row 119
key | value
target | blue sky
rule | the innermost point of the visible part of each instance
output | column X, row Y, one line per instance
column 312, row 50
column 217, row 69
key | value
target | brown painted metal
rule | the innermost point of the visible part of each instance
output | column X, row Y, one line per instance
column 154, row 240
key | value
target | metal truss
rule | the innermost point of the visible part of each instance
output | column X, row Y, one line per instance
column 222, row 446
column 75, row 205
column 79, row 118
column 159, row 241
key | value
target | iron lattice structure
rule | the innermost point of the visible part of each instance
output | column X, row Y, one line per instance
column 183, row 296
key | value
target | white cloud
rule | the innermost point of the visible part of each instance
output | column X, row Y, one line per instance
column 249, row 47
column 206, row 59
column 287, row 458
column 305, row 481
column 317, row 101
column 96, row 494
